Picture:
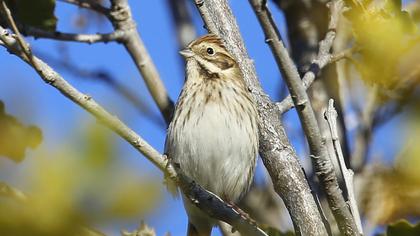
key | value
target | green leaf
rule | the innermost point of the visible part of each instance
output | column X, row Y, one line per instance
column 403, row 228
column 393, row 5
column 35, row 13
column 16, row 137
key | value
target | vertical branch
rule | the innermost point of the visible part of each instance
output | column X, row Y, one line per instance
column 278, row 155
column 331, row 117
column 319, row 155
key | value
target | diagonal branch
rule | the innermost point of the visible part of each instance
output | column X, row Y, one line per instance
column 125, row 32
column 206, row 201
column 278, row 155
column 101, row 75
column 122, row 20
column 322, row 59
column 319, row 154
column 26, row 50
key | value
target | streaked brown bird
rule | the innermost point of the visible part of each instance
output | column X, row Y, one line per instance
column 214, row 133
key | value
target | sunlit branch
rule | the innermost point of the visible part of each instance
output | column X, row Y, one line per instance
column 206, row 201
column 122, row 20
column 318, row 150
column 331, row 117
column 277, row 154
column 110, row 80
column 322, row 59
column 125, row 32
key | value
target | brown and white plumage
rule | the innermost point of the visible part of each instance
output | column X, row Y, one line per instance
column 213, row 135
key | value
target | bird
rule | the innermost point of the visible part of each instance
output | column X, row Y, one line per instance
column 213, row 136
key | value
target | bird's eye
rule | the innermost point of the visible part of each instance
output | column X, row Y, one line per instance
column 210, row 51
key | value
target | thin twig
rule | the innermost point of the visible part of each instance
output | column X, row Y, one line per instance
column 65, row 62
column 319, row 154
column 343, row 54
column 331, row 117
column 81, row 38
column 322, row 59
column 25, row 47
column 206, row 201
column 125, row 32
column 277, row 153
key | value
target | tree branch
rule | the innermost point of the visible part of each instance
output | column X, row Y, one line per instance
column 319, row 154
column 347, row 53
column 101, row 75
column 323, row 58
column 331, row 117
column 206, row 201
column 125, row 32
column 307, row 23
column 122, row 20
column 81, row 38
column 277, row 153
column 26, row 50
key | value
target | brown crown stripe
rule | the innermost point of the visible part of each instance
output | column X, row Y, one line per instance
column 210, row 38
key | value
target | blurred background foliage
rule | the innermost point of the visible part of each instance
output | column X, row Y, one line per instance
column 80, row 185
column 66, row 190
column 38, row 13
column 16, row 137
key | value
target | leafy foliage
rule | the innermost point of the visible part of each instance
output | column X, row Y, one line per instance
column 39, row 13
column 402, row 228
column 69, row 189
column 386, row 34
column 391, row 193
column 15, row 137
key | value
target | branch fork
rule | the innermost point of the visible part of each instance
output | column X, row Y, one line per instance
column 201, row 197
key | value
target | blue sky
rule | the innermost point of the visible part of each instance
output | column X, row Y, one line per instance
column 34, row 102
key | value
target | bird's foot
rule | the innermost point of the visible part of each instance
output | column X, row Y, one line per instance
column 242, row 213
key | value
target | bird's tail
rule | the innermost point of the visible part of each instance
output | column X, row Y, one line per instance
column 192, row 231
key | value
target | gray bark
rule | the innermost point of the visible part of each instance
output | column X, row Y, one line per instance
column 278, row 155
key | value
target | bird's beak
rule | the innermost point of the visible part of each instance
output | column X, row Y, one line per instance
column 186, row 53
